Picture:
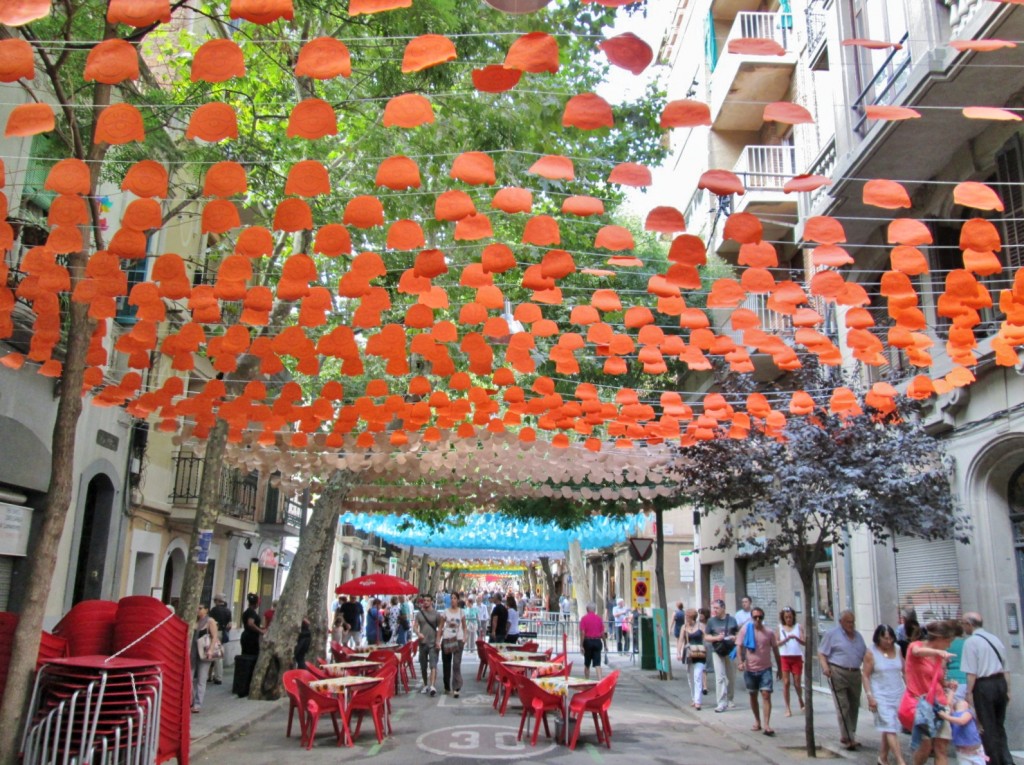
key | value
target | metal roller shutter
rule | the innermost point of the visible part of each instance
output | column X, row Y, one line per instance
column 6, row 573
column 761, row 589
column 927, row 579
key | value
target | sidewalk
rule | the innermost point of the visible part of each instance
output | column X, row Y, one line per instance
column 225, row 716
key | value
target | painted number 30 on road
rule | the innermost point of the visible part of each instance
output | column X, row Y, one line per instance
column 479, row 742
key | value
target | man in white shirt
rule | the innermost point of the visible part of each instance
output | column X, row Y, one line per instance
column 988, row 687
column 743, row 615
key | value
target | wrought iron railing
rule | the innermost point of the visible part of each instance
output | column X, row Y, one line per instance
column 887, row 83
column 237, row 491
column 817, row 24
column 763, row 25
column 766, row 168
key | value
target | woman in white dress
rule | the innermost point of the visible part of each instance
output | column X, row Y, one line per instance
column 451, row 642
column 791, row 653
column 883, row 683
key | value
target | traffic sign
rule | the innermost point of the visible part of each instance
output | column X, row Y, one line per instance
column 641, row 589
column 640, row 548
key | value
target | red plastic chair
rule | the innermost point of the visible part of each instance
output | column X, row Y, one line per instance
column 290, row 680
column 313, row 704
column 536, row 702
column 481, row 653
column 339, row 652
column 596, row 701
column 372, row 699
column 314, row 669
column 505, row 686
column 529, row 647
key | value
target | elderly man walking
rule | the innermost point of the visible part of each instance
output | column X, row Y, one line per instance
column 841, row 653
column 988, row 688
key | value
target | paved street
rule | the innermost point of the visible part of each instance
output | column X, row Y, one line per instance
column 650, row 719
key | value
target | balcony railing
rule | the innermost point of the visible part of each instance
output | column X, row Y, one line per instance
column 766, row 168
column 824, row 165
column 237, row 491
column 887, row 83
column 817, row 24
column 762, row 25
column 961, row 12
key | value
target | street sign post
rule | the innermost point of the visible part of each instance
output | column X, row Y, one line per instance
column 640, row 548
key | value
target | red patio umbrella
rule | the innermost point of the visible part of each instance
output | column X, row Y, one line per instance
column 377, row 584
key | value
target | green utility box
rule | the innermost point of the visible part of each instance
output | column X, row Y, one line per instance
column 647, row 649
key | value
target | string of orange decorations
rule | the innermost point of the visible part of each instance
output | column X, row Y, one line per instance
column 473, row 396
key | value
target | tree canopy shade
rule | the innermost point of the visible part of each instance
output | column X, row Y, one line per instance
column 793, row 495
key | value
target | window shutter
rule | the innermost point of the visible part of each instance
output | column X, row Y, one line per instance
column 1009, row 180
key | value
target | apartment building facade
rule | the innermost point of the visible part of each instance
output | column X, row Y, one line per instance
column 980, row 425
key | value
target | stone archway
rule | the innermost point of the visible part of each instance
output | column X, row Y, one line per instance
column 174, row 572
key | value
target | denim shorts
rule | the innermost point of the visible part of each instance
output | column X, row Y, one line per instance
column 758, row 681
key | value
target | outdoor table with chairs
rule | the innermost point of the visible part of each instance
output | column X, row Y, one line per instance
column 343, row 668
column 339, row 688
column 522, row 656
column 531, row 665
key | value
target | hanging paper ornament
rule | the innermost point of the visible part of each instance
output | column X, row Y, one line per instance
column 255, row 242
column 147, row 178
column 495, row 78
column 533, row 52
column 398, row 173
column 308, row 178
column 630, row 174
column 554, row 168
column 665, row 220
column 225, row 179
column 213, row 122
column 139, row 13
column 721, row 182
column 217, row 60
column 359, row 7
column 119, row 124
column 312, row 118
column 888, row 195
column 69, row 176
column 513, row 200
column 473, row 167
column 364, row 212
column 627, row 51
column 582, row 206
column 293, row 215
column 16, row 13
column 990, row 113
column 685, row 114
column 333, row 240
column 587, row 111
column 427, row 51
column 262, row 11
column 17, row 60
column 754, row 46
column 324, row 58
column 787, row 113
column 30, row 119
column 890, row 113
column 408, row 111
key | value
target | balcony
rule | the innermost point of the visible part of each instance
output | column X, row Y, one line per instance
column 743, row 83
column 817, row 12
column 764, row 171
column 282, row 516
column 825, row 165
column 885, row 87
column 237, row 491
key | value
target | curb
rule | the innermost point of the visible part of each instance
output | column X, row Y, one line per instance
column 772, row 754
column 201, row 746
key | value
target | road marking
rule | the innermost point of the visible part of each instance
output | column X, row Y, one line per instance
column 594, row 753
column 374, row 749
column 479, row 742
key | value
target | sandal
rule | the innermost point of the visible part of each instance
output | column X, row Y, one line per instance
column 769, row 732
column 755, row 728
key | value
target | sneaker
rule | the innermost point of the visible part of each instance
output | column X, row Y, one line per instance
column 721, row 708
column 456, row 694
column 433, row 691
column 732, row 705
column 425, row 689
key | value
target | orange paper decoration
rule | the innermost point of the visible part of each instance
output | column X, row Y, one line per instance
column 495, row 78
column 554, row 168
column 755, row 46
column 685, row 114
column 890, row 113
column 824, row 230
column 333, row 240
column 587, row 111
column 262, row 11
column 308, row 178
column 984, row 46
column 533, row 52
column 220, row 216
column 364, row 212
column 324, row 58
column 541, row 230
column 744, row 228
column 398, row 173
column 665, row 220
column 312, row 118
column 293, row 215
column 405, row 235
column 990, row 113
column 408, row 111
column 147, row 178
column 225, row 179
column 69, row 176
column 582, row 206
column 889, row 195
column 453, row 205
column 806, row 183
column 721, row 182
column 17, row 60
column 217, row 60
column 29, row 120
column 513, row 200
column 213, row 122
column 787, row 113
column 909, row 231
column 358, row 7
column 255, row 242
column 614, row 238
column 426, row 51
column 119, row 124
column 630, row 174
column 473, row 167
column 16, row 13
column 627, row 51
column 977, row 195
column 139, row 13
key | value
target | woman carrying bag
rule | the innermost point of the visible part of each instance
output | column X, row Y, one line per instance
column 206, row 648
column 695, row 655
column 451, row 642
column 925, row 669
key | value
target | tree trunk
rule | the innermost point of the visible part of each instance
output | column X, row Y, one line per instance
column 811, row 652
column 319, row 592
column 435, row 578
column 659, row 573
column 549, row 581
column 424, row 576
column 42, row 561
column 278, row 645
column 578, row 571
column 207, row 512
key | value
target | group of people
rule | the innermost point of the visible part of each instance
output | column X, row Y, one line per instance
column 377, row 622
column 741, row 642
column 945, row 682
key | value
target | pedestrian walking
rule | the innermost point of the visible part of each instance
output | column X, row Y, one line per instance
column 221, row 614
column 756, row 644
column 426, row 626
column 882, row 676
column 452, row 642
column 984, row 663
column 841, row 654
column 791, row 647
column 925, row 670
column 591, row 634
column 695, row 655
column 721, row 635
column 205, row 646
